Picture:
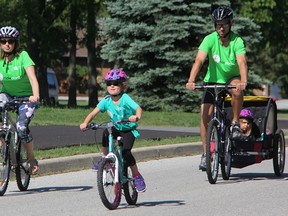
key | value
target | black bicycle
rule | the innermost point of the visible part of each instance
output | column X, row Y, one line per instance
column 113, row 174
column 218, row 144
column 13, row 156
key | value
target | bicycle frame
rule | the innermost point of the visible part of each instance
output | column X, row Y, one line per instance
column 14, row 157
column 216, row 149
column 9, row 126
column 114, row 153
column 111, row 176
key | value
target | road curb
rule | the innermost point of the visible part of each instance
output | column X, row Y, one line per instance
column 79, row 162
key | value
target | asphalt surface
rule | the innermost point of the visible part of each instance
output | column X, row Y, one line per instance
column 47, row 137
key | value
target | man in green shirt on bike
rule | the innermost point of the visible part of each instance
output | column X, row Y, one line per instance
column 227, row 65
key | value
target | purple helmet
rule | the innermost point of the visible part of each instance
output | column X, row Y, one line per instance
column 9, row 32
column 245, row 113
column 116, row 75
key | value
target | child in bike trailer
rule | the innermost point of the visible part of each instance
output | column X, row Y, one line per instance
column 119, row 106
column 248, row 129
column 19, row 81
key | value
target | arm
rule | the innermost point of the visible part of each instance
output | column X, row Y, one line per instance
column 242, row 63
column 89, row 118
column 200, row 58
column 30, row 71
column 137, row 116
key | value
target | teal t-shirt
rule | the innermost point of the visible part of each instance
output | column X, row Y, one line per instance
column 15, row 80
column 222, row 60
column 126, row 107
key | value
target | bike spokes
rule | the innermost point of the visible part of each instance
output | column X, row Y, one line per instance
column 109, row 189
column 212, row 155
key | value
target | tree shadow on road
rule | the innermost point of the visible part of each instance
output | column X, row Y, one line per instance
column 243, row 177
column 53, row 189
column 155, row 203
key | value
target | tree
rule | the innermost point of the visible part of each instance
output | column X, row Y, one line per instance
column 74, row 12
column 155, row 42
column 91, row 44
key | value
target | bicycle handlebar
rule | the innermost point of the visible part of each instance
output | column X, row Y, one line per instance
column 216, row 86
column 14, row 103
column 95, row 126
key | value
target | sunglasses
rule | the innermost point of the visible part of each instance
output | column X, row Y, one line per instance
column 112, row 83
column 10, row 41
column 226, row 25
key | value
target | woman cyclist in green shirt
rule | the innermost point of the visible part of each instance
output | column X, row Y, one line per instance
column 19, row 81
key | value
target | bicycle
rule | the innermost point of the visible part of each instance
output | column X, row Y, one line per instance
column 218, row 144
column 13, row 156
column 113, row 175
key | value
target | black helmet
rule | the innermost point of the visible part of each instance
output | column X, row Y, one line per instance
column 222, row 13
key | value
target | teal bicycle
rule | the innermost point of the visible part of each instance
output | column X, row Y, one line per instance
column 13, row 156
column 113, row 175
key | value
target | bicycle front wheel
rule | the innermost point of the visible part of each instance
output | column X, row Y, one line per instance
column 4, row 165
column 22, row 168
column 109, row 190
column 226, row 160
column 131, row 195
column 212, row 154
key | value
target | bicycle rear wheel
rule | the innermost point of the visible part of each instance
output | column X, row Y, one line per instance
column 22, row 168
column 109, row 190
column 226, row 160
column 4, row 165
column 212, row 155
column 279, row 153
column 131, row 195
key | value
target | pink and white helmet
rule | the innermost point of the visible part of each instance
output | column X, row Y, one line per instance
column 9, row 32
column 116, row 75
column 245, row 113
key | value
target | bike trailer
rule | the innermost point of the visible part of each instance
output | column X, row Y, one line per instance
column 245, row 153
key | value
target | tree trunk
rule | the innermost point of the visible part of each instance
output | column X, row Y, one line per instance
column 91, row 60
column 72, row 83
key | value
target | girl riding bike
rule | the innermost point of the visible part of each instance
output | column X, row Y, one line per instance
column 119, row 106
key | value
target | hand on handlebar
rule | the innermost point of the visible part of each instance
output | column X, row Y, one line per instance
column 190, row 85
column 241, row 86
column 133, row 118
column 33, row 99
column 83, row 127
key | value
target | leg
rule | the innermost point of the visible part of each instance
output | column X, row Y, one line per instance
column 34, row 167
column 26, row 113
column 128, row 142
column 206, row 112
column 237, row 100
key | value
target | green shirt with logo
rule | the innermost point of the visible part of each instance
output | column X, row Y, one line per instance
column 222, row 60
column 15, row 80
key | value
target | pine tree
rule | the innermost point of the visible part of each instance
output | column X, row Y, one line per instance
column 155, row 42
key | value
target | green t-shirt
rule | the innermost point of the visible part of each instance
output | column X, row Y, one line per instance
column 126, row 107
column 222, row 60
column 15, row 80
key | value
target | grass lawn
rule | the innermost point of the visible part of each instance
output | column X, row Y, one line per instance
column 65, row 116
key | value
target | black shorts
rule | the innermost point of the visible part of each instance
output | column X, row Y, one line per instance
column 209, row 94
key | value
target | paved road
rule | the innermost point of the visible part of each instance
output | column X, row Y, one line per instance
column 175, row 186
column 47, row 137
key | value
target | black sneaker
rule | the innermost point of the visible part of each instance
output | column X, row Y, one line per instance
column 202, row 165
column 235, row 131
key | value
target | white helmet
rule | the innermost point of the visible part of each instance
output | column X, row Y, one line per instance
column 9, row 32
